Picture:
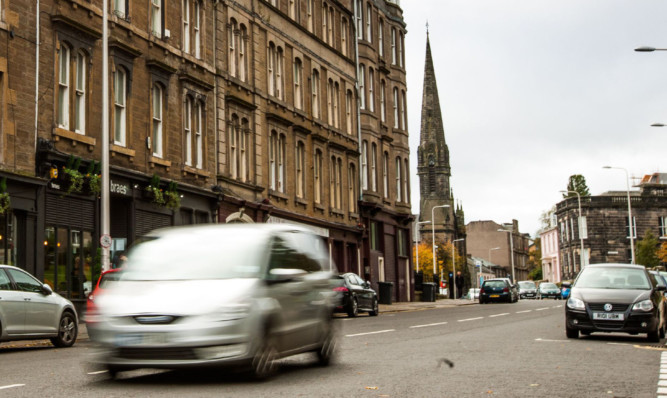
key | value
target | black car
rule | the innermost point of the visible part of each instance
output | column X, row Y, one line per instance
column 498, row 290
column 355, row 295
column 615, row 298
column 548, row 290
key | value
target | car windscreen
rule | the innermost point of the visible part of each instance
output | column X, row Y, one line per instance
column 548, row 286
column 494, row 284
column 613, row 278
column 526, row 285
column 190, row 255
column 109, row 277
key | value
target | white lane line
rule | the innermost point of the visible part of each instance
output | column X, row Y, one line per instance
column 11, row 386
column 662, row 383
column 619, row 344
column 470, row 319
column 557, row 306
column 98, row 372
column 542, row 309
column 503, row 314
column 523, row 312
column 552, row 341
column 366, row 334
column 662, row 390
column 427, row 325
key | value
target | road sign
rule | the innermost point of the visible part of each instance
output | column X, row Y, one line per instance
column 105, row 241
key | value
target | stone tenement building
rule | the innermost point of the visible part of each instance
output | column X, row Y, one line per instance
column 490, row 240
column 234, row 111
column 605, row 227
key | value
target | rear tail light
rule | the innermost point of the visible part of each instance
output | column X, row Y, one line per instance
column 341, row 289
column 506, row 290
column 481, row 291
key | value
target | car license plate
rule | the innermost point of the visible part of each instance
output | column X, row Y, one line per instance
column 494, row 296
column 608, row 316
column 141, row 339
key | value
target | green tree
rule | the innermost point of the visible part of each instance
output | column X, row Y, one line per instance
column 535, row 274
column 647, row 250
column 577, row 183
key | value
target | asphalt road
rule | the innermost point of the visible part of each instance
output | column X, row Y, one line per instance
column 496, row 350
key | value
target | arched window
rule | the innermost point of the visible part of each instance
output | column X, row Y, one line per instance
column 383, row 102
column 393, row 46
column 271, row 68
column 371, row 90
column 64, row 53
column 364, row 165
column 348, row 112
column 351, row 188
column 298, row 77
column 362, row 86
column 300, row 169
column 186, row 25
column 80, row 93
column 243, row 61
column 120, row 106
column 385, row 175
column 399, row 188
column 396, row 114
column 187, row 129
column 374, row 173
column 232, row 40
column 317, row 176
column 403, row 109
column 158, row 139
column 315, row 90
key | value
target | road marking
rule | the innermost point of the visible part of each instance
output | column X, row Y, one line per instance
column 552, row 341
column 470, row 319
column 98, row 372
column 557, row 306
column 366, row 334
column 493, row 316
column 542, row 309
column 523, row 312
column 11, row 386
column 427, row 325
column 619, row 344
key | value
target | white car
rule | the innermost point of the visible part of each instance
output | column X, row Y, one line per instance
column 30, row 310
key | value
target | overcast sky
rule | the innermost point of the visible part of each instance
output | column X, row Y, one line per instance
column 532, row 92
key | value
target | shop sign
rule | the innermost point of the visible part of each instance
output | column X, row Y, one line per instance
column 120, row 188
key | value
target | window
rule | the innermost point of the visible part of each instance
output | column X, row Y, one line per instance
column 381, row 38
column 277, row 161
column 300, row 172
column 63, row 85
column 298, row 92
column 232, row 38
column 275, row 69
column 120, row 102
column 400, row 49
column 385, row 174
column 360, row 19
column 662, row 220
column 291, row 9
column 317, row 176
column 373, row 235
column 406, row 185
column 309, row 15
column 197, row 29
column 343, row 36
column 383, row 101
column 315, row 89
column 336, row 105
column 583, row 228
column 157, row 121
column 199, row 132
column 120, row 8
column 399, row 197
column 364, row 165
column 243, row 61
column 279, row 73
column 362, row 86
column 238, row 148
column 187, row 130
column 330, row 32
column 634, row 227
column 369, row 25
column 352, row 195
column 244, row 144
column 403, row 107
column 393, row 46
column 336, row 179
column 157, row 10
column 186, row 26
column 330, row 94
column 325, row 23
column 80, row 94
column 396, row 116
column 371, row 90
column 400, row 241
column 374, row 175
column 348, row 111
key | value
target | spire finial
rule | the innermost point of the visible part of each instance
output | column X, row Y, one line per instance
column 426, row 27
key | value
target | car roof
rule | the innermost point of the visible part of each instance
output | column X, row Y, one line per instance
column 211, row 228
column 615, row 265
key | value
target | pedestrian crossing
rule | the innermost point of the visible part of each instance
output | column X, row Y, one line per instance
column 662, row 381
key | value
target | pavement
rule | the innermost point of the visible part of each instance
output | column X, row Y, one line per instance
column 384, row 309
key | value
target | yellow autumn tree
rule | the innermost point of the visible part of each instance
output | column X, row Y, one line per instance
column 444, row 256
column 662, row 252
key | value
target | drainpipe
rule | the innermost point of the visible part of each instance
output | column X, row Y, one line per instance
column 356, row 85
column 37, row 75
column 215, row 98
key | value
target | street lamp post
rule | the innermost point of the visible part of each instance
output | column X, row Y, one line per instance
column 511, row 251
column 581, row 236
column 631, row 229
column 419, row 240
column 646, row 49
column 433, row 235
column 454, row 265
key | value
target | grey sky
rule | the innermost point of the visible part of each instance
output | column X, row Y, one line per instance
column 532, row 92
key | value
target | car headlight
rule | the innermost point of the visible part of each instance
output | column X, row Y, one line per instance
column 646, row 306
column 230, row 312
column 575, row 304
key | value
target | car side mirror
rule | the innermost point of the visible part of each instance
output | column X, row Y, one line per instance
column 46, row 290
column 368, row 285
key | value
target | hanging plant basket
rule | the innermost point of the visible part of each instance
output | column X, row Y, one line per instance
column 5, row 203
column 92, row 184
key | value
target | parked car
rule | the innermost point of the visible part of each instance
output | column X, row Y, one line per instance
column 236, row 295
column 615, row 298
column 565, row 290
column 29, row 310
column 497, row 290
column 527, row 289
column 105, row 278
column 548, row 290
column 354, row 295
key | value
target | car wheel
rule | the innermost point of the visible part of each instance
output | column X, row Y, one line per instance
column 662, row 331
column 327, row 351
column 376, row 309
column 654, row 336
column 264, row 363
column 67, row 331
column 353, row 310
column 571, row 333
column 586, row 332
column 112, row 371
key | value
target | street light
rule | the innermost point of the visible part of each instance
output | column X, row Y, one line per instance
column 433, row 234
column 511, row 251
column 630, row 226
column 581, row 236
column 646, row 49
column 419, row 240
column 657, row 125
column 454, row 265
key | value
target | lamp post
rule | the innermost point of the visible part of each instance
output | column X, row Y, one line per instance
column 419, row 240
column 631, row 229
column 454, row 265
column 433, row 235
column 581, row 236
column 511, row 251
column 646, row 49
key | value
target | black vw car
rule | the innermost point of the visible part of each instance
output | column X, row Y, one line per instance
column 498, row 290
column 615, row 298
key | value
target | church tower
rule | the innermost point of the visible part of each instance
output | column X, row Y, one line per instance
column 433, row 166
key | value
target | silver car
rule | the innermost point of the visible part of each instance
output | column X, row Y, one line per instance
column 235, row 295
column 30, row 310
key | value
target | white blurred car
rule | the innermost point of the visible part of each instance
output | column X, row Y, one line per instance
column 237, row 295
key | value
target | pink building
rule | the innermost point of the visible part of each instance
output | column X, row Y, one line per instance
column 550, row 261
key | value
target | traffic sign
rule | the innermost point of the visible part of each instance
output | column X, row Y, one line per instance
column 105, row 241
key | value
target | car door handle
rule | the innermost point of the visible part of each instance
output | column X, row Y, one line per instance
column 26, row 299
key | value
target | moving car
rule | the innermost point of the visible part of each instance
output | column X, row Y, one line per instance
column 615, row 298
column 237, row 295
column 548, row 290
column 104, row 280
column 497, row 290
column 354, row 295
column 30, row 310
column 527, row 289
